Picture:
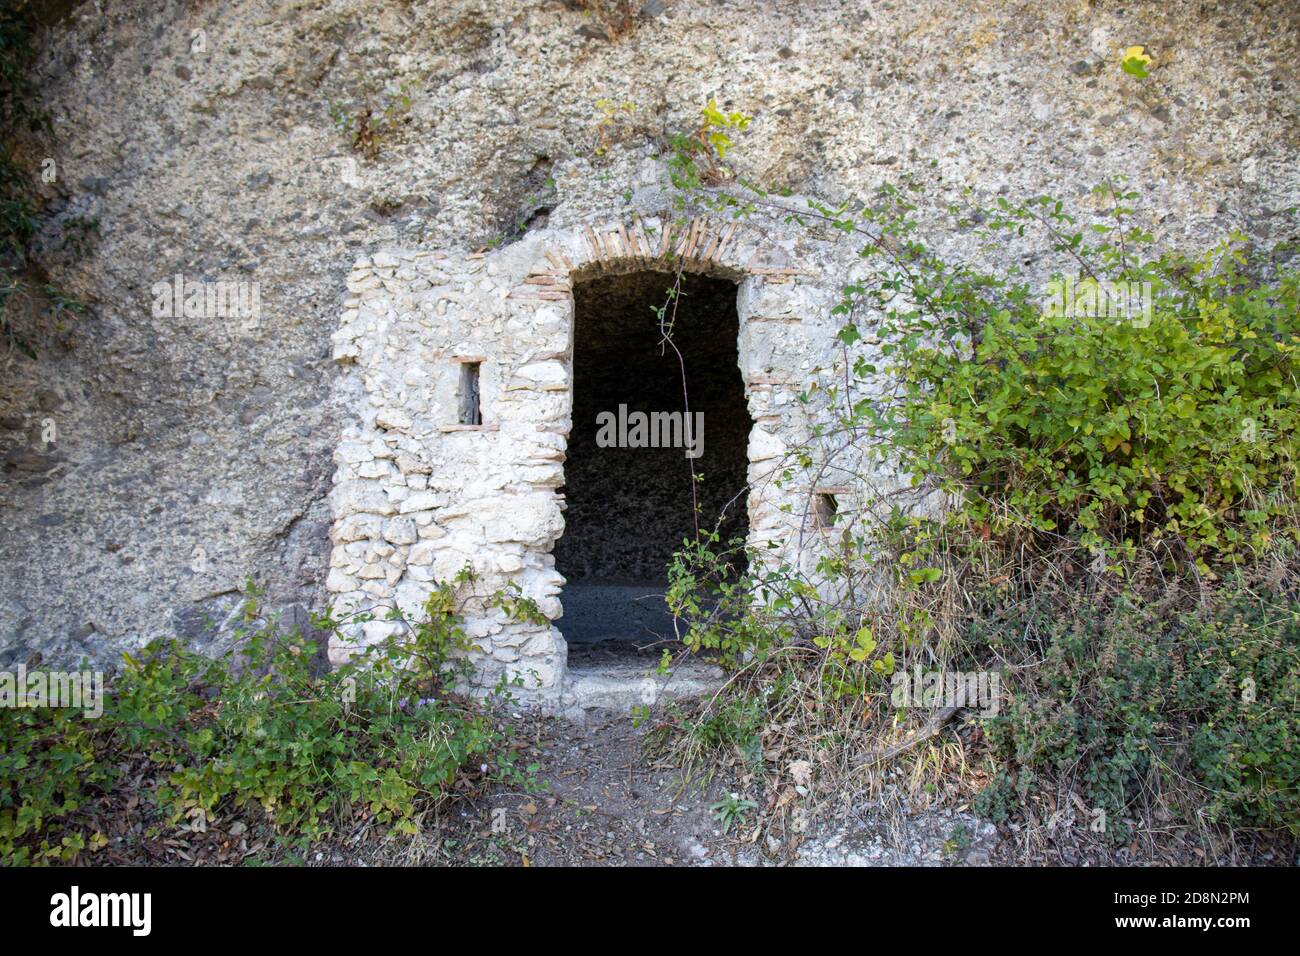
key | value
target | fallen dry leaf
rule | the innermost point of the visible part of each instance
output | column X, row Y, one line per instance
column 800, row 772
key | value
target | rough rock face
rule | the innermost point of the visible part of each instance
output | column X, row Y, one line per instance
column 194, row 450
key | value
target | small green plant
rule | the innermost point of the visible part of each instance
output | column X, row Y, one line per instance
column 374, row 124
column 731, row 811
column 1173, row 429
column 697, row 158
column 959, row 840
column 708, row 594
column 612, row 116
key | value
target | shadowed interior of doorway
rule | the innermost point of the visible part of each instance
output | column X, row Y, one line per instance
column 629, row 508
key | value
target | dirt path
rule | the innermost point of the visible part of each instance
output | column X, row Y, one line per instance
column 600, row 802
column 592, row 797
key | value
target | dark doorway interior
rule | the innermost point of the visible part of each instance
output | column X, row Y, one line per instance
column 629, row 508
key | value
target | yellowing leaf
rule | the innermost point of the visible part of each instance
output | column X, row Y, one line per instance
column 1135, row 62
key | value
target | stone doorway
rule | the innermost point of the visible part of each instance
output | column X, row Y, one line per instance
column 657, row 450
column 465, row 448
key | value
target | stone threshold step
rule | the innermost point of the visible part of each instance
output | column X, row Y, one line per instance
column 617, row 687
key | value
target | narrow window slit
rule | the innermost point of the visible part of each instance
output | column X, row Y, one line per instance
column 470, row 413
column 825, row 507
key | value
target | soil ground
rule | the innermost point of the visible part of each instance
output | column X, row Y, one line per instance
column 597, row 799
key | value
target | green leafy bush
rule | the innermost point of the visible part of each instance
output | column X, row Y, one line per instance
column 52, row 763
column 1243, row 684
column 1065, row 456
column 1128, row 704
column 387, row 735
column 1177, row 426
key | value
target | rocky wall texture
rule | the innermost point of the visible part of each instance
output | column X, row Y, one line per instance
column 195, row 450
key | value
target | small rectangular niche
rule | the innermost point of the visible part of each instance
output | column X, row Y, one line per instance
column 826, row 506
column 468, row 409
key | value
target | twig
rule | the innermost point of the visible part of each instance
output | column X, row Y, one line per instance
column 935, row 724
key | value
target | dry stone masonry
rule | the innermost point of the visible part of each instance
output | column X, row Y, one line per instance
column 418, row 494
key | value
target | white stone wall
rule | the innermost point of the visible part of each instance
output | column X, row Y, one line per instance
column 417, row 497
